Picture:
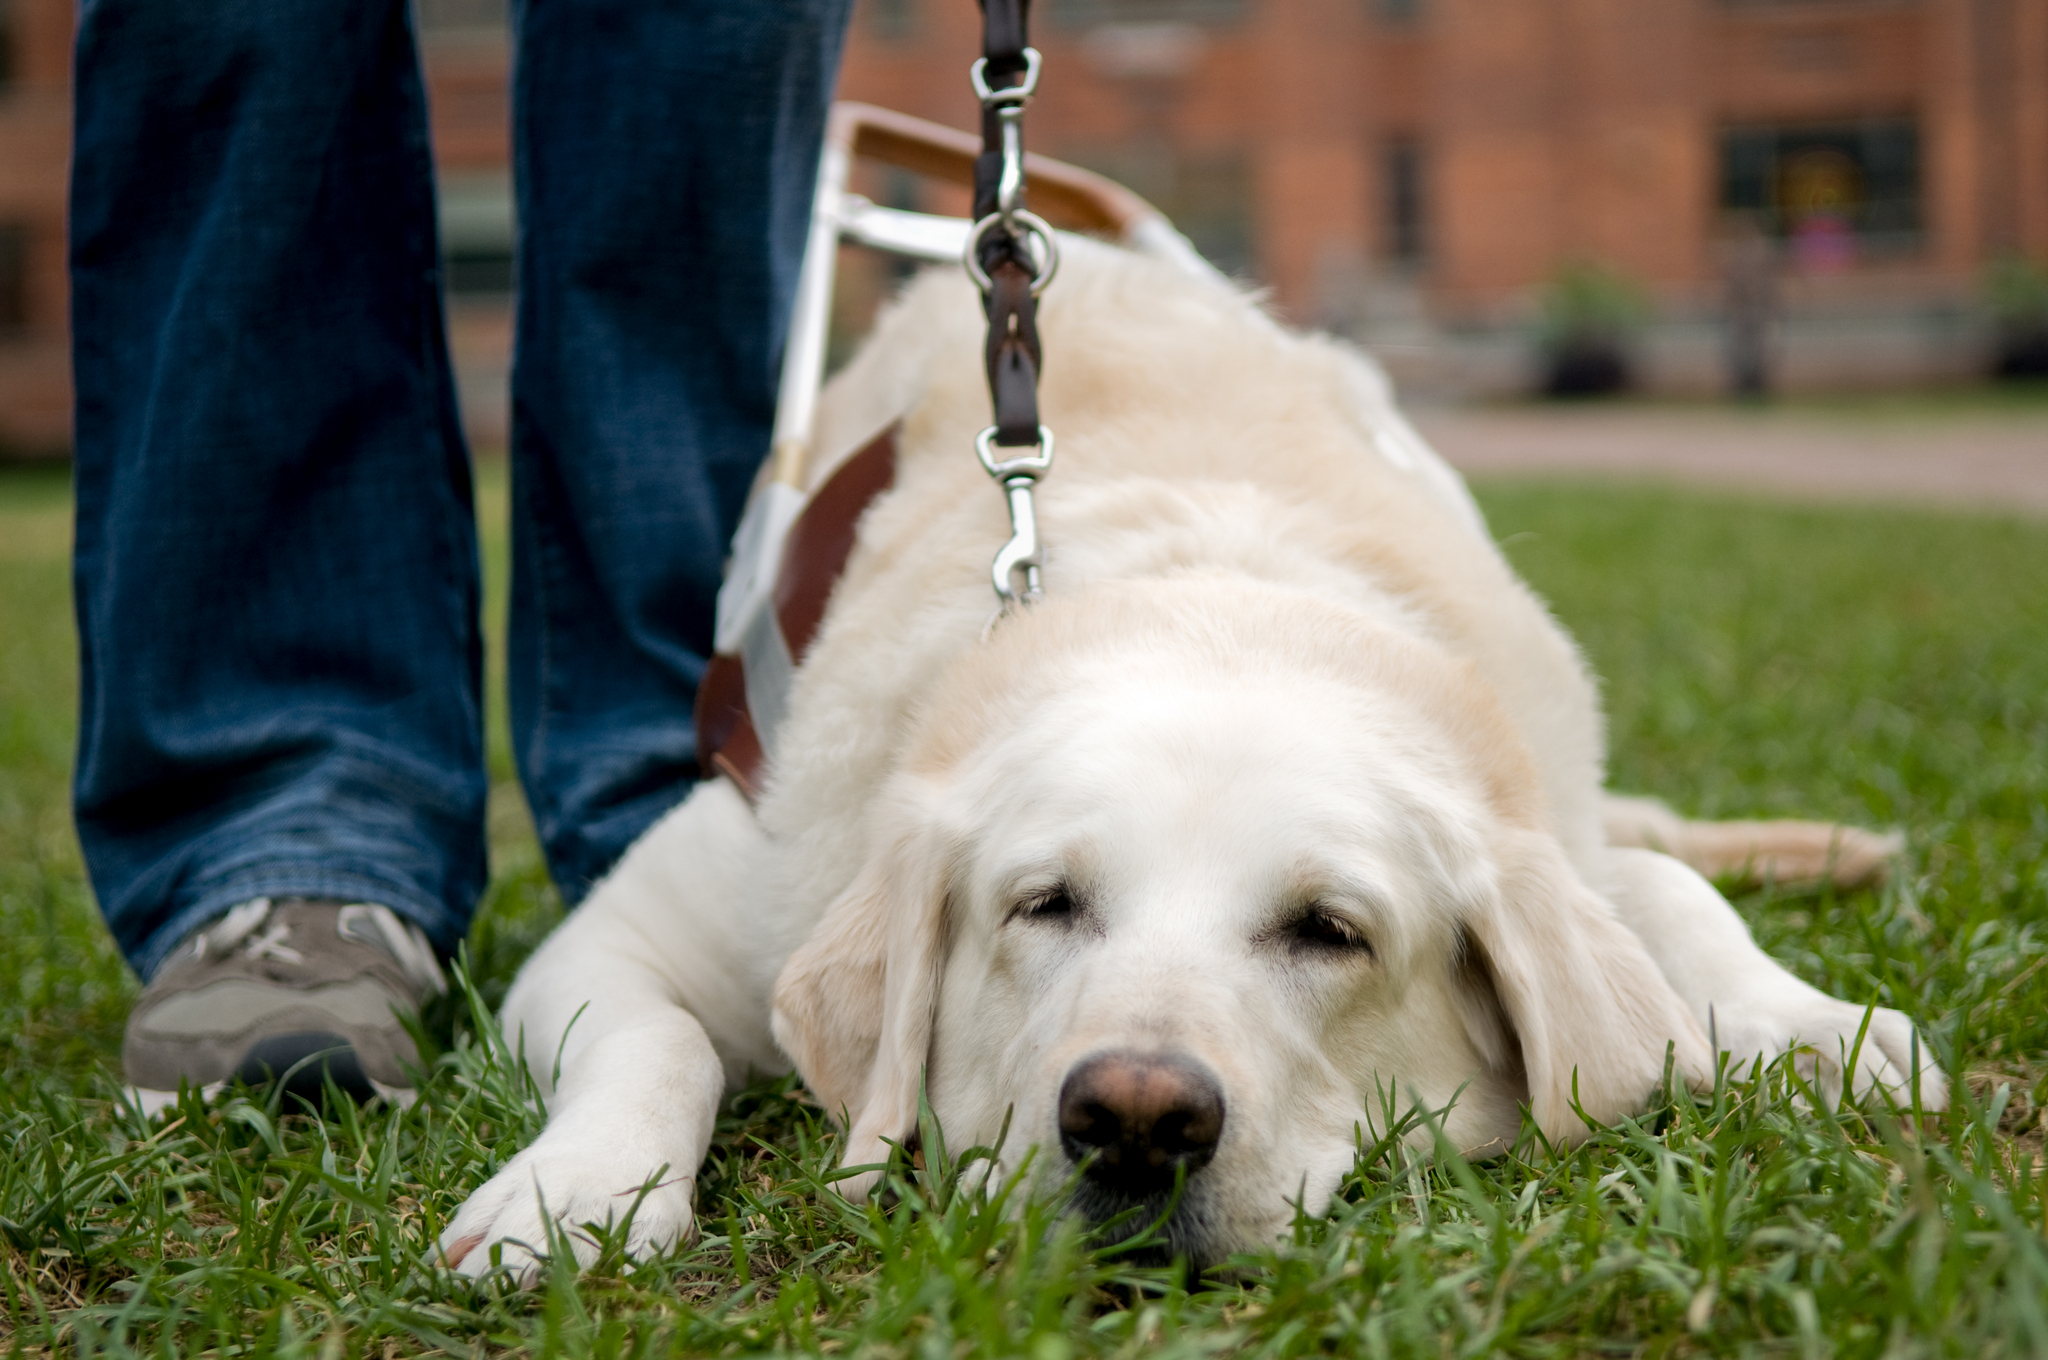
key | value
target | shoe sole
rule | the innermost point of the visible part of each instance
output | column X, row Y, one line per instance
column 149, row 1104
column 303, row 1063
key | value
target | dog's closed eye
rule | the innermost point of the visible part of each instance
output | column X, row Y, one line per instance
column 1320, row 928
column 1052, row 905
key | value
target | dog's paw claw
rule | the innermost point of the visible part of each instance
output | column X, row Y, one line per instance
column 453, row 1252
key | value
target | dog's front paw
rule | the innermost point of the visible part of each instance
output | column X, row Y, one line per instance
column 560, row 1190
column 1821, row 1034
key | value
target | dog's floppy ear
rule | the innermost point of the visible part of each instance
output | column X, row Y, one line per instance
column 1591, row 1010
column 853, row 1007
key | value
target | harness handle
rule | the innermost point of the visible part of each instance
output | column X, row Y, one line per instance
column 1067, row 196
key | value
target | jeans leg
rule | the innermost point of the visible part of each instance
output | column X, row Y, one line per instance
column 665, row 158
column 276, row 563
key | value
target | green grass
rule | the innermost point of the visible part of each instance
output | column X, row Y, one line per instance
column 1883, row 666
column 1975, row 404
column 2012, row 399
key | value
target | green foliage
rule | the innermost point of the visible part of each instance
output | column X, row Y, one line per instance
column 2016, row 291
column 1882, row 666
column 1586, row 302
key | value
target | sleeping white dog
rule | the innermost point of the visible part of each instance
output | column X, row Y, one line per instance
column 1286, row 796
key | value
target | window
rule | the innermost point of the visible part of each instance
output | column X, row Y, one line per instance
column 1397, row 12
column 7, row 22
column 1406, row 219
column 14, row 239
column 456, row 16
column 1207, row 195
column 477, row 235
column 1834, row 191
column 900, row 188
column 892, row 20
column 1087, row 13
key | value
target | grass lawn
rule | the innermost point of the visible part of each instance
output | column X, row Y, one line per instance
column 1883, row 666
column 2025, row 398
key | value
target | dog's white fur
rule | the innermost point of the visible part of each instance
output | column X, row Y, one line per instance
column 1280, row 668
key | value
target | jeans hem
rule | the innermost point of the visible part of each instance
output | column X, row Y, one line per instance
column 285, row 879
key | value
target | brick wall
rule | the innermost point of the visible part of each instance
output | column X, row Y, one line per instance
column 1552, row 126
column 35, row 148
column 1530, row 132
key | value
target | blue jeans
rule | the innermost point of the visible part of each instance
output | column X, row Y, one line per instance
column 276, row 563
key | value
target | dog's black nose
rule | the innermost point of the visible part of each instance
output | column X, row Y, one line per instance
column 1140, row 1116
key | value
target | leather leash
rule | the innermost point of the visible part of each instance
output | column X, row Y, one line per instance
column 1011, row 254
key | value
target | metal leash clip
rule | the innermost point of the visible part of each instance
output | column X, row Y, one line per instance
column 1019, row 477
column 1008, row 105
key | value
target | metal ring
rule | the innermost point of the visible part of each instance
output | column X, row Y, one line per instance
column 1009, row 94
column 1033, row 225
column 1031, row 466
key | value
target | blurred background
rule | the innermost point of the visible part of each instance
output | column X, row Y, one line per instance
column 1499, row 198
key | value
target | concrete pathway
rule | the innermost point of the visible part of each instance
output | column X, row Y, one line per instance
column 1982, row 460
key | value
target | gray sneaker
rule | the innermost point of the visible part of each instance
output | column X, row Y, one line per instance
column 298, row 989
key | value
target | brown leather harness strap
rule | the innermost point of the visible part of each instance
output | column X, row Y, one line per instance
column 726, row 740
column 813, row 559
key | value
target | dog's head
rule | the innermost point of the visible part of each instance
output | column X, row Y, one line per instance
column 1198, row 890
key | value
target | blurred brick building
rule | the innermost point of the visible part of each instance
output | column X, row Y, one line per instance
column 467, row 56
column 35, row 143
column 1406, row 171
column 1411, row 171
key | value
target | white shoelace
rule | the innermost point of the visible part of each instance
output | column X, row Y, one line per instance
column 239, row 926
column 364, row 922
column 401, row 939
